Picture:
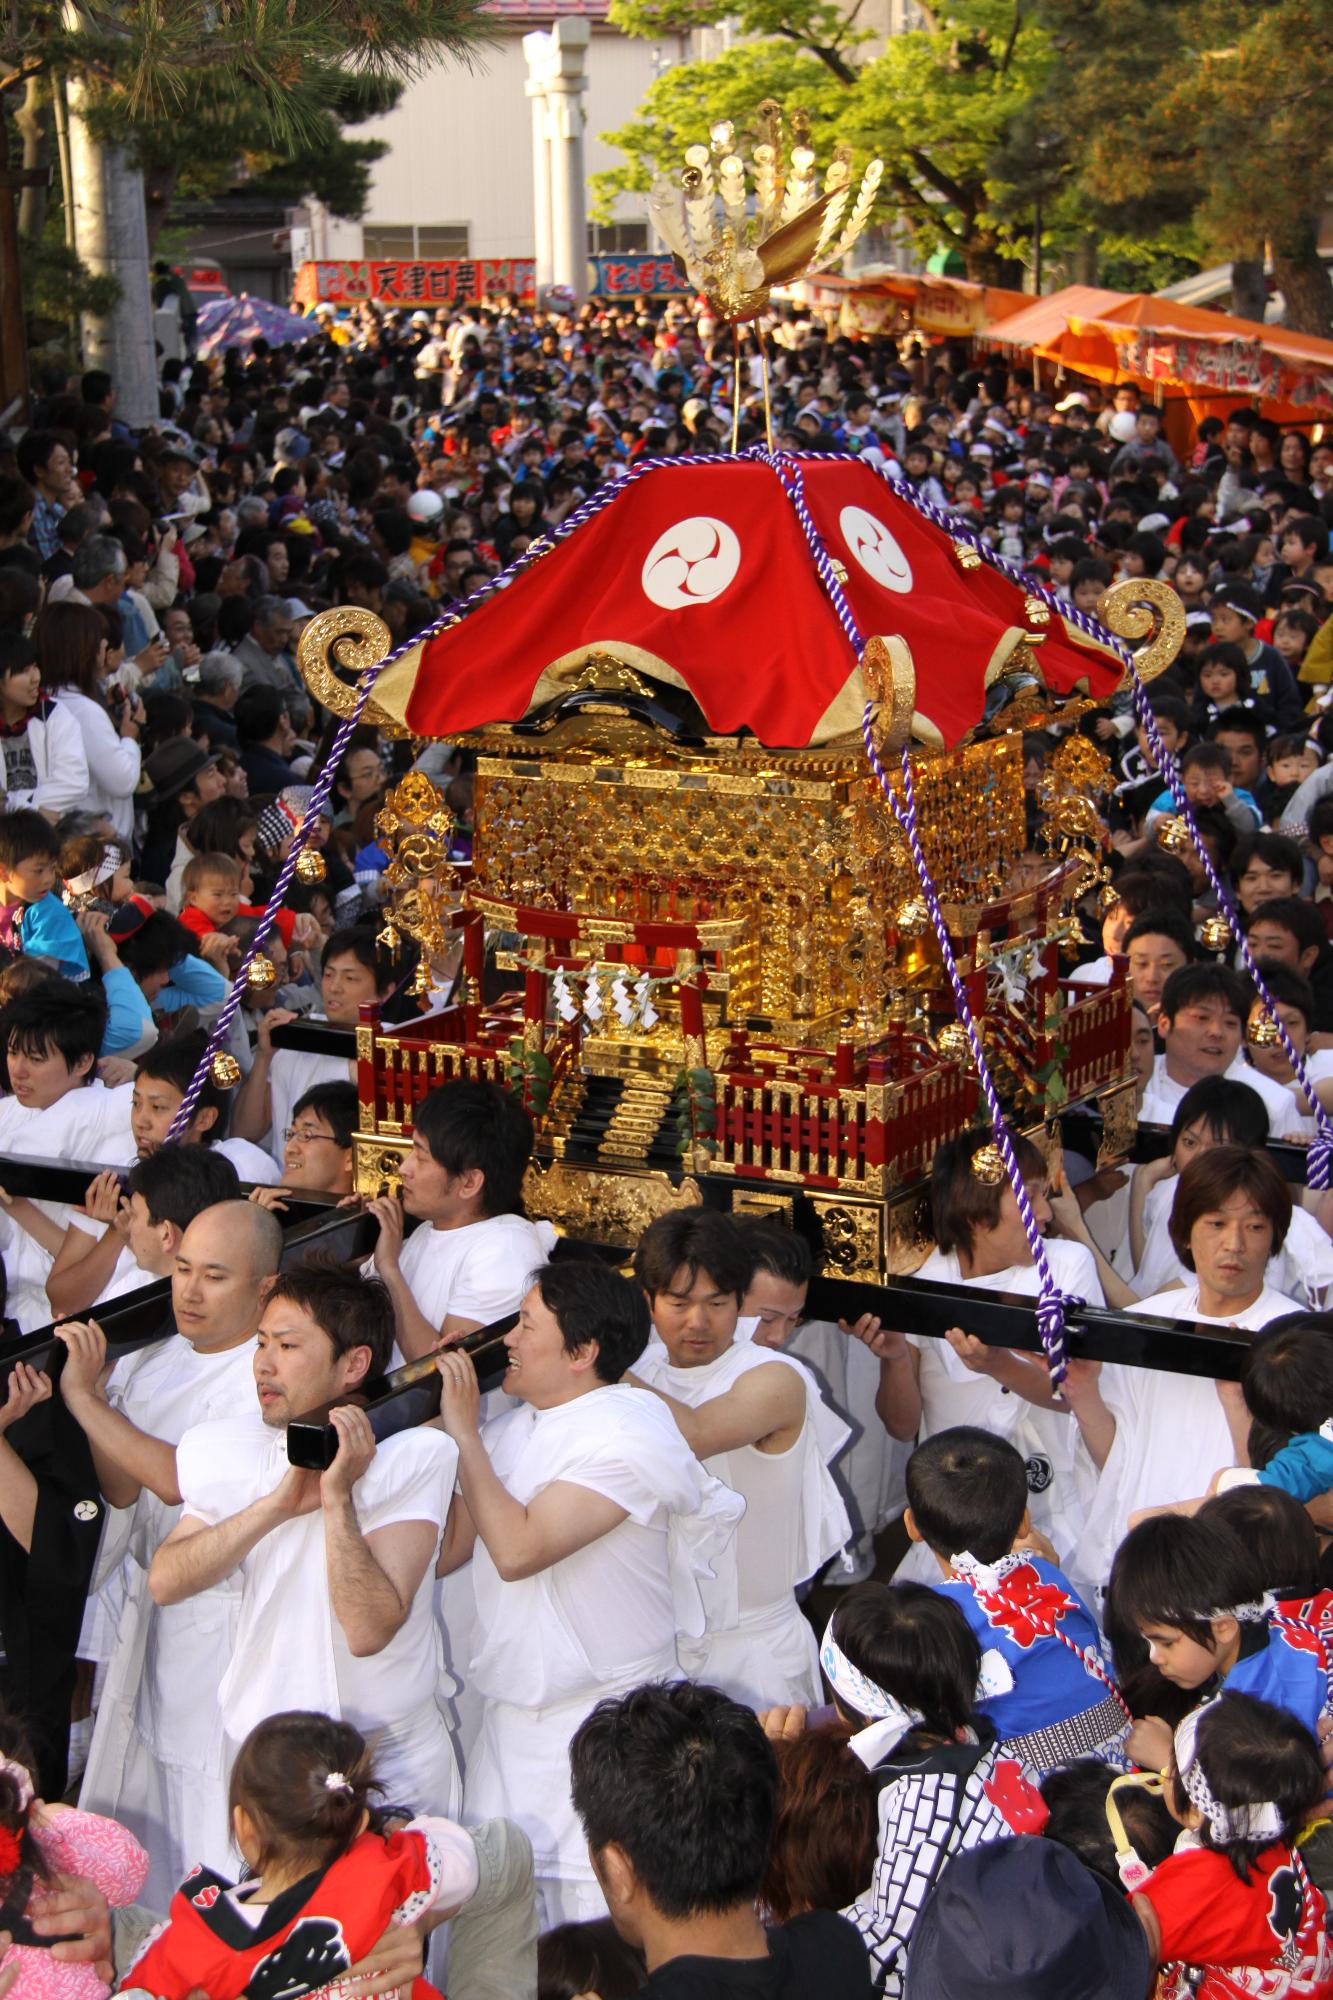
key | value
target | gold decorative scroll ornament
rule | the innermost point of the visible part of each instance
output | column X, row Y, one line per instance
column 1142, row 608
column 354, row 640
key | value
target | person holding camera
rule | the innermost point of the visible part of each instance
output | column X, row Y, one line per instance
column 71, row 642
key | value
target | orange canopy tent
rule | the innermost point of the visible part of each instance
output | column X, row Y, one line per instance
column 1198, row 363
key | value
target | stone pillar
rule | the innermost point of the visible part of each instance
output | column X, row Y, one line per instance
column 111, row 238
column 538, row 48
column 559, row 70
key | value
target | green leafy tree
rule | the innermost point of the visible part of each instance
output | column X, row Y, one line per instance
column 219, row 78
column 1215, row 112
column 218, row 147
column 946, row 106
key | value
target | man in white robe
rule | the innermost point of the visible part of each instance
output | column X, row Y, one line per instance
column 758, row 1423
column 929, row 1385
column 1150, row 1438
column 472, row 1256
column 1204, row 1009
column 468, row 1262
column 593, row 1526
column 156, row 1760
column 335, row 1568
column 870, row 1472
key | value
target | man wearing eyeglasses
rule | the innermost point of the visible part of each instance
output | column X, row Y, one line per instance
column 317, row 1146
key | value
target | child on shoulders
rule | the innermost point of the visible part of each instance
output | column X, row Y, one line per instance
column 967, row 1501
column 33, row 919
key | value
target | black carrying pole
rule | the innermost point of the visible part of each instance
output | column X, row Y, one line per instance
column 400, row 1400
column 1008, row 1319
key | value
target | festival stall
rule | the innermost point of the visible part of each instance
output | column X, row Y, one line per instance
column 1194, row 362
column 883, row 301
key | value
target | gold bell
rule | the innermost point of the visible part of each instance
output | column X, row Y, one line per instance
column 913, row 917
column 966, row 556
column 310, row 865
column 1037, row 611
column 225, row 1070
column 421, row 981
column 1215, row 934
column 952, row 1042
column 1263, row 1032
column 260, row 973
column 1173, row 835
column 988, row 1166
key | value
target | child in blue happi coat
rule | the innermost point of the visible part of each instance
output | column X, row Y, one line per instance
column 1197, row 1594
column 967, row 1501
column 33, row 920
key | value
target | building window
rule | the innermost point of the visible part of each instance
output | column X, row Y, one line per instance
column 617, row 239
column 404, row 240
column 443, row 239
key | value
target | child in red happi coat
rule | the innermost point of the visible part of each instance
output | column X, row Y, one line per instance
column 1232, row 1913
column 325, row 1883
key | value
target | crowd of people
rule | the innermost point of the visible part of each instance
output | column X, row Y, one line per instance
column 720, row 1651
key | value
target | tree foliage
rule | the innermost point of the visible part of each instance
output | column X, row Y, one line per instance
column 219, row 147
column 154, row 60
column 1179, row 130
column 947, row 107
column 1220, row 111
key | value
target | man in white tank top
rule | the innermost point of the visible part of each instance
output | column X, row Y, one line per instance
column 759, row 1424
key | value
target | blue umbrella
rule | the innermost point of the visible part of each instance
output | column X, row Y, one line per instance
column 231, row 322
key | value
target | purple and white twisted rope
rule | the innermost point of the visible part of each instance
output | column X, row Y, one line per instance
column 1051, row 1301
column 1321, row 1147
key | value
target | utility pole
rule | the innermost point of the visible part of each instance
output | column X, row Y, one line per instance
column 111, row 238
column 13, row 330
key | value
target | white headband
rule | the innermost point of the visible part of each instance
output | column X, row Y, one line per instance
column 890, row 1719
column 1226, row 1823
column 1246, row 1614
column 93, row 878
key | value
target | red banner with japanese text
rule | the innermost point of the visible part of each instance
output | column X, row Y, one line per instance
column 416, row 281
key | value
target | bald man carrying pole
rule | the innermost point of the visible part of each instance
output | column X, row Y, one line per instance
column 157, row 1761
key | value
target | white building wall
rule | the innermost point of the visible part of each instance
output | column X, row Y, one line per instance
column 460, row 144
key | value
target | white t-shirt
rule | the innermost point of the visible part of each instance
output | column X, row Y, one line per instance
column 951, row 1394
column 87, row 1126
column 251, row 1162
column 1302, row 1268
column 477, row 1272
column 291, row 1074
column 278, row 1660
column 164, row 1389
column 1164, row 1094
column 1171, row 1436
column 1319, row 1068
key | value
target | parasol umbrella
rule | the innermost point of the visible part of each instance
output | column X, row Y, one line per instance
column 231, row 322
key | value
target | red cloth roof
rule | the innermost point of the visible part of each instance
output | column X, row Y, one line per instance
column 697, row 572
